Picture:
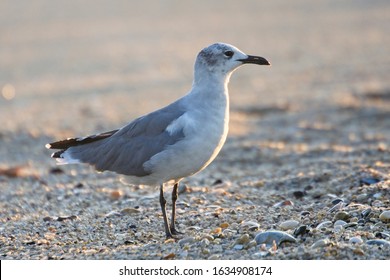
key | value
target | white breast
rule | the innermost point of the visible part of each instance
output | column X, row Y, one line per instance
column 205, row 131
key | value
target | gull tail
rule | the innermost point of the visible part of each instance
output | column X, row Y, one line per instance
column 63, row 156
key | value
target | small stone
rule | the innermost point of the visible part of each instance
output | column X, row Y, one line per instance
column 337, row 201
column 377, row 195
column 115, row 195
column 289, row 224
column 358, row 251
column 113, row 214
column 321, row 243
column 56, row 170
column 341, row 215
column 208, row 236
column 204, row 242
column 355, row 240
column 224, row 225
column 378, row 242
column 214, row 257
column 361, row 197
column 268, row 237
column 377, row 203
column 339, row 223
column 348, row 225
column 369, row 180
column 382, row 235
column 354, row 220
column 79, row 186
column 324, row 224
column 366, row 213
column 251, row 244
column 169, row 256
column 301, row 230
column 338, row 228
column 195, row 228
column 48, row 219
column 243, row 239
column 305, row 213
column 385, row 216
column 299, row 194
column 129, row 211
column 250, row 225
column 283, row 203
column 64, row 218
column 337, row 207
column 238, row 247
column 185, row 241
column 205, row 251
column 183, row 188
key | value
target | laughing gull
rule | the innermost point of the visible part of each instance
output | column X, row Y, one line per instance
column 174, row 142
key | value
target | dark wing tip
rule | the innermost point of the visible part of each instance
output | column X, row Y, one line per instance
column 71, row 142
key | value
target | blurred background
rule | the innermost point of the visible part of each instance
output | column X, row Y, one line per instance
column 310, row 130
column 79, row 67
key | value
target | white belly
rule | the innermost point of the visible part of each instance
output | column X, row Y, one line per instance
column 204, row 138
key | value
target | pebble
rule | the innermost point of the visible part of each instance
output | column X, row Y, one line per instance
column 378, row 242
column 337, row 207
column 377, row 195
column 301, row 230
column 268, row 237
column 185, row 241
column 208, row 236
column 238, row 247
column 204, row 242
column 214, row 257
column 113, row 214
column 299, row 194
column 129, row 211
column 243, row 239
column 341, row 215
column 383, row 235
column 369, row 180
column 169, row 256
column 337, row 201
column 339, row 223
column 305, row 213
column 289, row 224
column 348, row 225
column 195, row 228
column 324, row 224
column 385, row 216
column 115, row 195
column 250, row 225
column 338, row 228
column 224, row 225
column 365, row 213
column 321, row 243
column 283, row 203
column 355, row 240
column 362, row 197
column 377, row 203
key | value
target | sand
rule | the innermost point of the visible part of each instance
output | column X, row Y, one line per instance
column 309, row 136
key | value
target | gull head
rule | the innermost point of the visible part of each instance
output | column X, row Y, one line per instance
column 222, row 59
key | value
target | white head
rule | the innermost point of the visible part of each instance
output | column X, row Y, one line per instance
column 219, row 60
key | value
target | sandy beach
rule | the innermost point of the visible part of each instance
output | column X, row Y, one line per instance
column 308, row 151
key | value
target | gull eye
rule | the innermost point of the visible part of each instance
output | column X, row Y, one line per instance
column 228, row 54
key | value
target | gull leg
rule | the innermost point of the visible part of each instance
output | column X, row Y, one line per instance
column 174, row 198
column 163, row 203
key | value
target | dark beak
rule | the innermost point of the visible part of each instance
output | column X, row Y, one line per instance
column 255, row 60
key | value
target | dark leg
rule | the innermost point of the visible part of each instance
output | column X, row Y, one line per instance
column 174, row 198
column 163, row 202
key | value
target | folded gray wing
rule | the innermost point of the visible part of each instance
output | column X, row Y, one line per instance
column 130, row 147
